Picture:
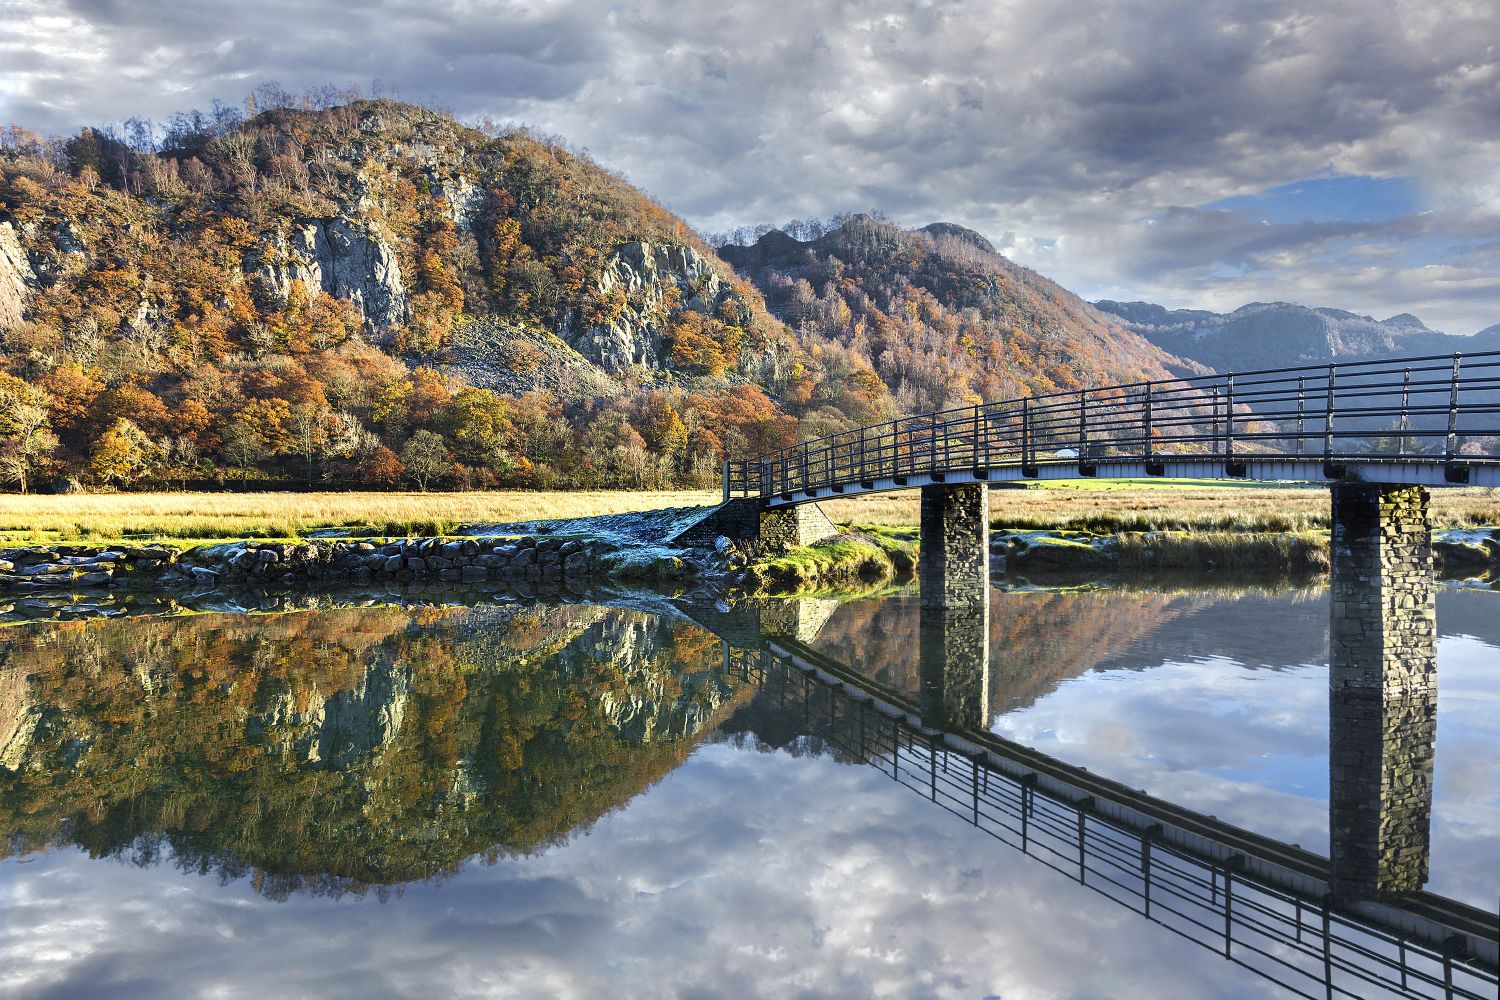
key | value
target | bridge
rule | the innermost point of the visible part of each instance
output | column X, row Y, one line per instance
column 1380, row 434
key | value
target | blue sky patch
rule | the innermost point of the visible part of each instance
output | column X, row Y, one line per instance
column 1351, row 198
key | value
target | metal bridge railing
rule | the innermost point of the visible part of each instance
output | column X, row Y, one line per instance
column 1425, row 409
column 1306, row 945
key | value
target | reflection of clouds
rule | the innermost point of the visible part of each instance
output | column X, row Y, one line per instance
column 741, row 874
column 1251, row 747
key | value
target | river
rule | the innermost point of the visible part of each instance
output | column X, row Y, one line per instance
column 619, row 798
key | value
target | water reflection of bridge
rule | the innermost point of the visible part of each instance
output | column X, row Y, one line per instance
column 1377, row 433
column 1263, row 904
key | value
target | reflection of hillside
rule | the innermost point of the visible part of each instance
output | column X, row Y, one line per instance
column 334, row 750
column 1037, row 638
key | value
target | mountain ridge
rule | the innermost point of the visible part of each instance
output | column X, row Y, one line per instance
column 1261, row 335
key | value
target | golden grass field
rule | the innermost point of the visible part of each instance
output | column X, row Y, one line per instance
column 90, row 517
column 1093, row 506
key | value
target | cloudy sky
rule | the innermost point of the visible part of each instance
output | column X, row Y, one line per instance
column 1192, row 152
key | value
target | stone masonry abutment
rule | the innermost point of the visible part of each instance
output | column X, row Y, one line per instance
column 1382, row 690
column 953, row 570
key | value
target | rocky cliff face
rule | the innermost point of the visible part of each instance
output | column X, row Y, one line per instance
column 16, row 278
column 19, row 716
column 346, row 258
column 650, row 281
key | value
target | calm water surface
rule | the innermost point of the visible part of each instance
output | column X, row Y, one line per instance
column 591, row 800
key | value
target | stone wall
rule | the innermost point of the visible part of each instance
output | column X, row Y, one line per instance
column 468, row 560
column 790, row 527
column 1382, row 689
column 953, row 565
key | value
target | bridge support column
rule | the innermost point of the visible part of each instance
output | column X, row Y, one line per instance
column 953, row 570
column 953, row 563
column 1382, row 690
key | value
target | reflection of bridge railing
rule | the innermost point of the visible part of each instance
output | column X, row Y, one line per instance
column 1304, row 942
column 1421, row 410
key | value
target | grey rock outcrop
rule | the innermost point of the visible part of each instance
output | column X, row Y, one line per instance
column 16, row 278
column 343, row 257
column 641, row 274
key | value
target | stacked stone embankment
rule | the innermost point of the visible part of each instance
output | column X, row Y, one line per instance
column 536, row 560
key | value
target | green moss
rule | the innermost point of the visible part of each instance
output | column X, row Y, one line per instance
column 853, row 561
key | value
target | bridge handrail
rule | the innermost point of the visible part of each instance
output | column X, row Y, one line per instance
column 1387, row 408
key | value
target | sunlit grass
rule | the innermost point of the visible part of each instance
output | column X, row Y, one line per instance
column 197, row 517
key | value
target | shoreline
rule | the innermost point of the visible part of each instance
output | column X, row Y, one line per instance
column 625, row 548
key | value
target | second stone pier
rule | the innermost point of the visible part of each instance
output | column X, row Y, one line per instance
column 1382, row 690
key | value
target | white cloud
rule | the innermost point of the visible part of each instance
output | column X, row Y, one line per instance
column 1067, row 123
column 742, row 874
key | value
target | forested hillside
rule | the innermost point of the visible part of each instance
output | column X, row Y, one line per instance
column 943, row 318
column 371, row 294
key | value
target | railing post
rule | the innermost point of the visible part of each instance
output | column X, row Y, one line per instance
column 1405, row 423
column 1229, row 417
column 978, row 431
column 1213, row 422
column 1228, row 908
column 1329, row 414
column 726, row 480
column 1025, row 434
column 1146, row 446
column 1451, row 449
column 1083, row 426
column 1301, row 409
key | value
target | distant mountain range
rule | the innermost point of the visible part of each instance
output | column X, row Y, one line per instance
column 1279, row 334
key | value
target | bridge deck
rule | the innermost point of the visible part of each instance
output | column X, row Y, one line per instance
column 1432, row 421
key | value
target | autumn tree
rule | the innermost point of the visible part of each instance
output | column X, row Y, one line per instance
column 426, row 458
column 25, row 435
column 383, row 468
column 478, row 423
column 121, row 455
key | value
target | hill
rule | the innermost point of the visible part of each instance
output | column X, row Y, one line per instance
column 367, row 293
column 943, row 319
column 1278, row 334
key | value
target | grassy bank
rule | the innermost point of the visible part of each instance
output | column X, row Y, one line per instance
column 197, row 517
column 859, row 559
column 1299, row 553
column 1110, row 507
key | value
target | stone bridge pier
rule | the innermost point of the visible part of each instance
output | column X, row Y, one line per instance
column 1382, row 690
column 953, row 570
